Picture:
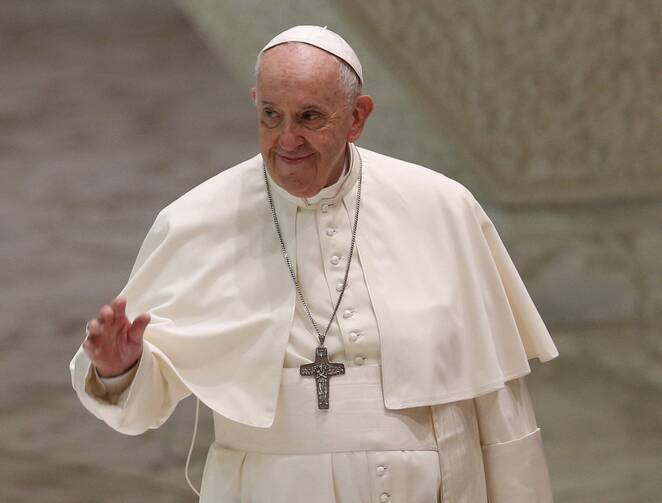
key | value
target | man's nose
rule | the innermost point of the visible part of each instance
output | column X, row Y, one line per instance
column 290, row 136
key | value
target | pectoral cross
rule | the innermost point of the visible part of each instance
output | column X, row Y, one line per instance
column 322, row 369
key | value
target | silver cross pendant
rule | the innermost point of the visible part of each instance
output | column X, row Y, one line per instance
column 321, row 370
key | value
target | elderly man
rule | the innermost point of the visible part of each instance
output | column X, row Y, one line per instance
column 352, row 320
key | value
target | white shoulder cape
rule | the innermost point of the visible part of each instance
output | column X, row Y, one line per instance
column 454, row 317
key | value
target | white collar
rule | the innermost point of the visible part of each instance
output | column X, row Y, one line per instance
column 328, row 195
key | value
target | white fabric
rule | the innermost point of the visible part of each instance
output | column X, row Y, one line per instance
column 498, row 420
column 331, row 455
column 508, row 469
column 322, row 238
column 460, row 456
column 517, row 471
column 513, row 456
column 113, row 386
column 340, row 477
column 321, row 261
column 356, row 420
column 211, row 274
column 147, row 403
column 323, row 38
column 490, row 449
column 510, row 411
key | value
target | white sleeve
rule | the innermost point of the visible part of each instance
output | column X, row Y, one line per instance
column 107, row 387
column 134, row 402
column 513, row 456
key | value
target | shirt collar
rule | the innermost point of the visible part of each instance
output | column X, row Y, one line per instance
column 328, row 195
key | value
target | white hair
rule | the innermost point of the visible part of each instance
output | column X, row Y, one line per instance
column 347, row 77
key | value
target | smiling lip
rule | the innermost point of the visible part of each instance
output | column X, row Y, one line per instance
column 293, row 160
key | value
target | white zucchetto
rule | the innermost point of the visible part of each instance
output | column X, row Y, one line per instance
column 322, row 38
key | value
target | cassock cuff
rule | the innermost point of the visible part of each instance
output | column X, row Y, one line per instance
column 516, row 471
column 109, row 388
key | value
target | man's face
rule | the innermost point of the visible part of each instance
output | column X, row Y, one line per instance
column 304, row 117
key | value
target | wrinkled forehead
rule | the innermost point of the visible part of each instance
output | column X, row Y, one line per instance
column 297, row 73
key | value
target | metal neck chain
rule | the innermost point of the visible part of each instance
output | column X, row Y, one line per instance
column 321, row 336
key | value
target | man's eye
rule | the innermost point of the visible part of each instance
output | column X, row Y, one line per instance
column 270, row 117
column 311, row 116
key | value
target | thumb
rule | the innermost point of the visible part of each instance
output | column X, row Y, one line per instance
column 137, row 328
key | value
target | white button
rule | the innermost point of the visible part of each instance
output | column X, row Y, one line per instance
column 330, row 231
column 339, row 286
column 347, row 313
column 335, row 260
column 359, row 360
column 353, row 336
column 325, row 208
column 380, row 471
column 384, row 497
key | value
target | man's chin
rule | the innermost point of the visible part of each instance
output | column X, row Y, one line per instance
column 286, row 177
column 297, row 190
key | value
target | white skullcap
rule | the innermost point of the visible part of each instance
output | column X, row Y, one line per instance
column 320, row 37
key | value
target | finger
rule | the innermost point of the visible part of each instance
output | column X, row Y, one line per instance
column 105, row 315
column 123, row 331
column 94, row 327
column 137, row 328
column 100, row 313
column 91, row 348
column 119, row 307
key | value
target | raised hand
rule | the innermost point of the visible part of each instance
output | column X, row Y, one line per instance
column 114, row 344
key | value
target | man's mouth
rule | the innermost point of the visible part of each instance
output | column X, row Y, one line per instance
column 293, row 159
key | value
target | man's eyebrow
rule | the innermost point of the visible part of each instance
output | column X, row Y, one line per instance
column 307, row 106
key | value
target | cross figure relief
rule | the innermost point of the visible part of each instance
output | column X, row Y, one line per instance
column 321, row 370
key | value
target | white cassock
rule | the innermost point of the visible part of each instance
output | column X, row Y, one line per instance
column 435, row 330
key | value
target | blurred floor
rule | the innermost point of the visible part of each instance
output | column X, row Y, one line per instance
column 108, row 111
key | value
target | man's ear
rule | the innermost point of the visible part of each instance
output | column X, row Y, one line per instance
column 253, row 95
column 362, row 110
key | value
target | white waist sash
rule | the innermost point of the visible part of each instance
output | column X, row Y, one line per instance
column 355, row 421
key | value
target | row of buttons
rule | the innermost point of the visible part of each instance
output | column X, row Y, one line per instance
column 347, row 313
column 354, row 336
column 383, row 497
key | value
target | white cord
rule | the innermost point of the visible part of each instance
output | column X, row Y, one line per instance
column 190, row 450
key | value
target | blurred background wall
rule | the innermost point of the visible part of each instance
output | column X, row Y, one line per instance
column 549, row 111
